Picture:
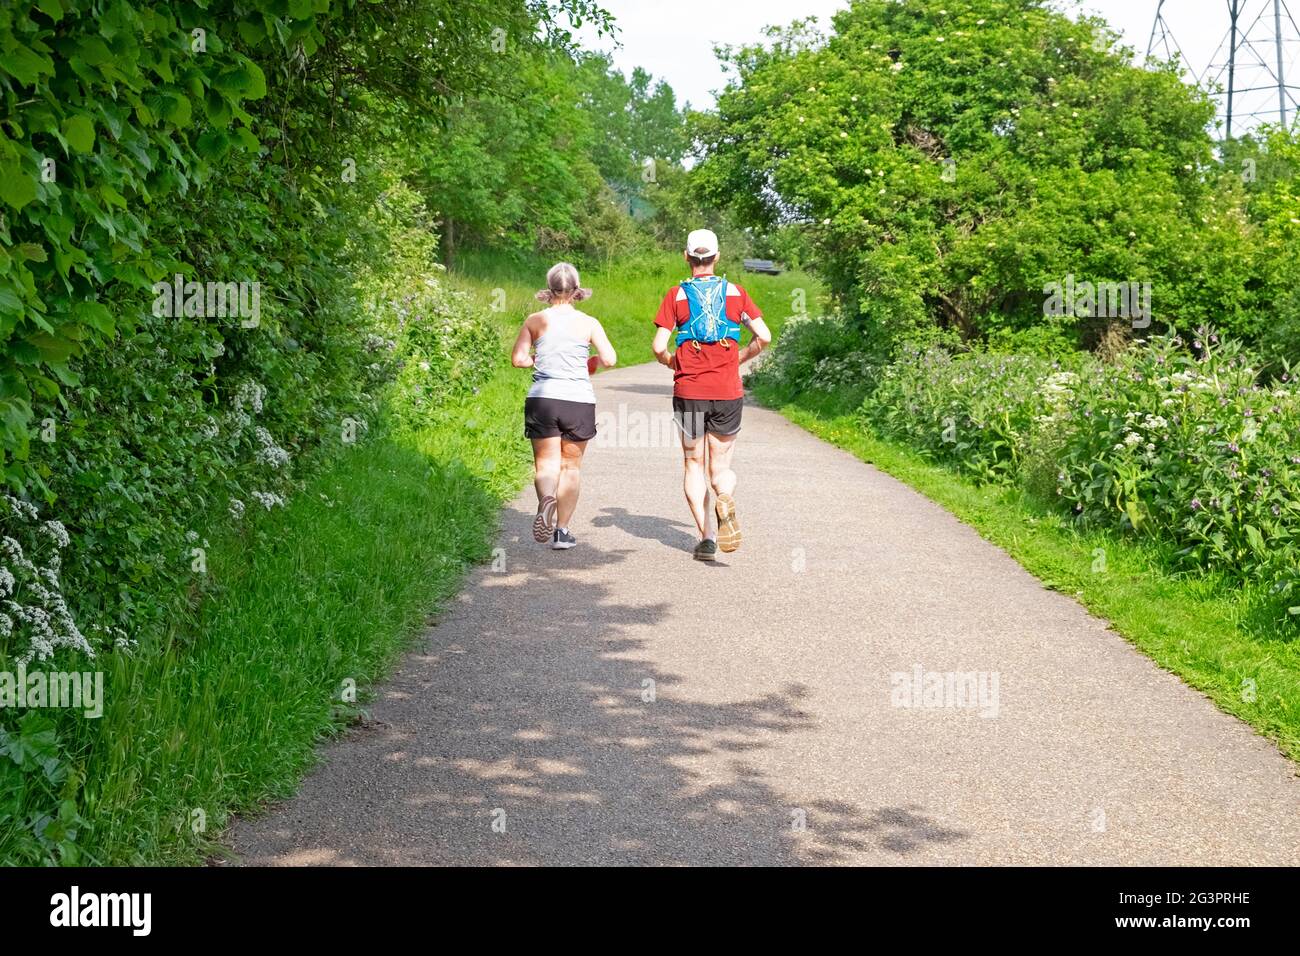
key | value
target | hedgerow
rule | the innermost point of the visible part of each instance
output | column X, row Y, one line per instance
column 247, row 154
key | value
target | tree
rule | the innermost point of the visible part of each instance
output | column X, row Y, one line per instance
column 948, row 160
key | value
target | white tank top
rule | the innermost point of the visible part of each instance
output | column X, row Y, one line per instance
column 560, row 359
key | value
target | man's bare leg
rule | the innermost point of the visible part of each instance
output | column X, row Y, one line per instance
column 696, row 485
column 721, row 478
column 723, row 482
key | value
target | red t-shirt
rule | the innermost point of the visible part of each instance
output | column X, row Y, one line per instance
column 712, row 370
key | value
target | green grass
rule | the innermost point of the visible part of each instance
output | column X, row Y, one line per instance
column 331, row 588
column 625, row 295
column 1211, row 633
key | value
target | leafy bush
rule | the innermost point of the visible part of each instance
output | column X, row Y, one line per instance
column 1181, row 441
column 817, row 354
column 947, row 159
column 113, row 106
column 977, row 411
column 1190, row 447
column 437, row 345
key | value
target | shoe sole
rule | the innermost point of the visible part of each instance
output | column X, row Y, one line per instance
column 728, row 527
column 562, row 545
column 544, row 523
column 705, row 557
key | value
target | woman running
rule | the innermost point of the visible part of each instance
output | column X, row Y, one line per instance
column 560, row 410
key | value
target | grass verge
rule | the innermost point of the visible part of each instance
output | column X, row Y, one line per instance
column 329, row 590
column 1208, row 632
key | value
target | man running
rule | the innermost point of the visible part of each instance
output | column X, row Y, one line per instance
column 706, row 311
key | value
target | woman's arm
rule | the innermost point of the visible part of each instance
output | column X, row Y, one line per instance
column 519, row 355
column 604, row 350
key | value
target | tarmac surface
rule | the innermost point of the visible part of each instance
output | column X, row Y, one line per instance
column 866, row 681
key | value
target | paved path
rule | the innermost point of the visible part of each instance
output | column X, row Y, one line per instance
column 773, row 697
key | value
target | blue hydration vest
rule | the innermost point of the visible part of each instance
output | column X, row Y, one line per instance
column 707, row 298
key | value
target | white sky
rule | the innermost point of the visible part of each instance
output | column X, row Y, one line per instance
column 673, row 39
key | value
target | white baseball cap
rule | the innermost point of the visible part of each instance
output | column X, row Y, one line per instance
column 702, row 244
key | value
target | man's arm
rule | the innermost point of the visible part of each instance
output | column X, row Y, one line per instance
column 660, row 346
column 665, row 325
column 760, row 338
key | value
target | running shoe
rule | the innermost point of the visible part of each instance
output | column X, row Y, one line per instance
column 728, row 526
column 562, row 541
column 706, row 550
column 544, row 523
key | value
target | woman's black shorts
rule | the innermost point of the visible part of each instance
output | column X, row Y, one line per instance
column 548, row 417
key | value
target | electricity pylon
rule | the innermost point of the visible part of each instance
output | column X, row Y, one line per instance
column 1248, row 72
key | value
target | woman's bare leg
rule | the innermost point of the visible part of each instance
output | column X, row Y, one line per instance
column 546, row 466
column 570, row 479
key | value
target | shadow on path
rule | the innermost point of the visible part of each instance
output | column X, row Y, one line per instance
column 674, row 534
column 664, row 391
column 563, row 734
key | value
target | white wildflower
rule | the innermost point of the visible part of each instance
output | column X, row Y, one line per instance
column 268, row 499
column 55, row 531
column 20, row 508
column 250, row 395
column 270, row 453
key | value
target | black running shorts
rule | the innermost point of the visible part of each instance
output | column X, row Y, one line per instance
column 549, row 417
column 695, row 416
